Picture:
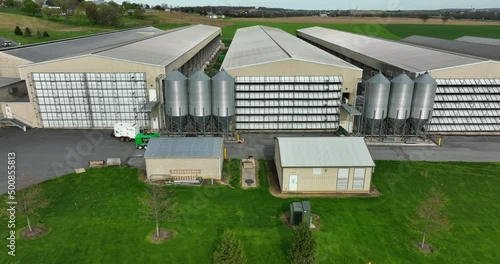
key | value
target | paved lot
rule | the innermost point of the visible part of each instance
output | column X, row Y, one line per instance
column 453, row 148
column 45, row 153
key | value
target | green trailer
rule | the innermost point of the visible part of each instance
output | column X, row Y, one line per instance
column 142, row 139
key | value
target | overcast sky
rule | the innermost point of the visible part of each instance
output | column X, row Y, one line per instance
column 338, row 4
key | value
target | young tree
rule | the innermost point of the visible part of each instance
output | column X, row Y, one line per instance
column 51, row 13
column 30, row 7
column 424, row 17
column 109, row 15
column 431, row 215
column 230, row 250
column 158, row 203
column 11, row 3
column 445, row 18
column 38, row 34
column 304, row 247
column 30, row 199
column 68, row 7
column 91, row 11
column 27, row 32
column 18, row 31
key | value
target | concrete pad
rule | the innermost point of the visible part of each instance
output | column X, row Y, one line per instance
column 114, row 162
column 248, row 179
column 80, row 170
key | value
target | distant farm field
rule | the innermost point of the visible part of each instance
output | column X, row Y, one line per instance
column 387, row 31
column 389, row 28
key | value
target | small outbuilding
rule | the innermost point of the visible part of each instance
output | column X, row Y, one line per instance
column 184, row 158
column 323, row 164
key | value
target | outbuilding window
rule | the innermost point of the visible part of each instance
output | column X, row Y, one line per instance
column 359, row 179
column 316, row 171
column 343, row 179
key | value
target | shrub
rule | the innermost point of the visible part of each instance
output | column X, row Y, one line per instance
column 45, row 34
column 303, row 249
column 38, row 35
column 27, row 32
column 230, row 250
column 18, row 31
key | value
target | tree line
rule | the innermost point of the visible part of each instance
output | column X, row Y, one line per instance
column 106, row 13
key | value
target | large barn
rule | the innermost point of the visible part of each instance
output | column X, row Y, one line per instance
column 97, row 81
column 467, row 99
column 284, row 84
column 323, row 164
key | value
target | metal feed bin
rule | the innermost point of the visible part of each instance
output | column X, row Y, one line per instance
column 299, row 212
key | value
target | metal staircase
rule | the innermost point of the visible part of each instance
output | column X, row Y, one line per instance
column 13, row 122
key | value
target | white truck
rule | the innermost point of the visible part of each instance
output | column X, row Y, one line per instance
column 126, row 131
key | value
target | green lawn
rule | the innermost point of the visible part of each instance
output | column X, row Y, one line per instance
column 95, row 219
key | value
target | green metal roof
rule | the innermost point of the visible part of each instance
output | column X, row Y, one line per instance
column 196, row 147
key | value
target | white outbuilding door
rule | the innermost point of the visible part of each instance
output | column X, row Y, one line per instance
column 293, row 183
column 8, row 112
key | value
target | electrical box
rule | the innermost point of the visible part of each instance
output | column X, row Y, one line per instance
column 299, row 212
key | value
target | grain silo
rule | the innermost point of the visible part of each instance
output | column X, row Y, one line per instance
column 400, row 102
column 176, row 101
column 223, row 99
column 376, row 100
column 200, row 97
column 424, row 94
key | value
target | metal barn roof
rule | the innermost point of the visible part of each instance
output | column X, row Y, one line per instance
column 260, row 44
column 79, row 46
column 184, row 147
column 163, row 49
column 407, row 57
column 324, row 152
column 474, row 49
column 486, row 41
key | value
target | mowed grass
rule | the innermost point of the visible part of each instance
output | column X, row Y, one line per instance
column 95, row 218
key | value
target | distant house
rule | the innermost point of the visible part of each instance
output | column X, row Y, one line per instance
column 323, row 164
column 323, row 15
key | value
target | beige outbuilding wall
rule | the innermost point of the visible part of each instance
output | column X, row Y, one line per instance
column 22, row 111
column 325, row 182
column 293, row 67
column 9, row 65
column 210, row 166
column 277, row 162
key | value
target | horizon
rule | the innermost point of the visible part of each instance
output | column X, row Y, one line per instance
column 389, row 5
